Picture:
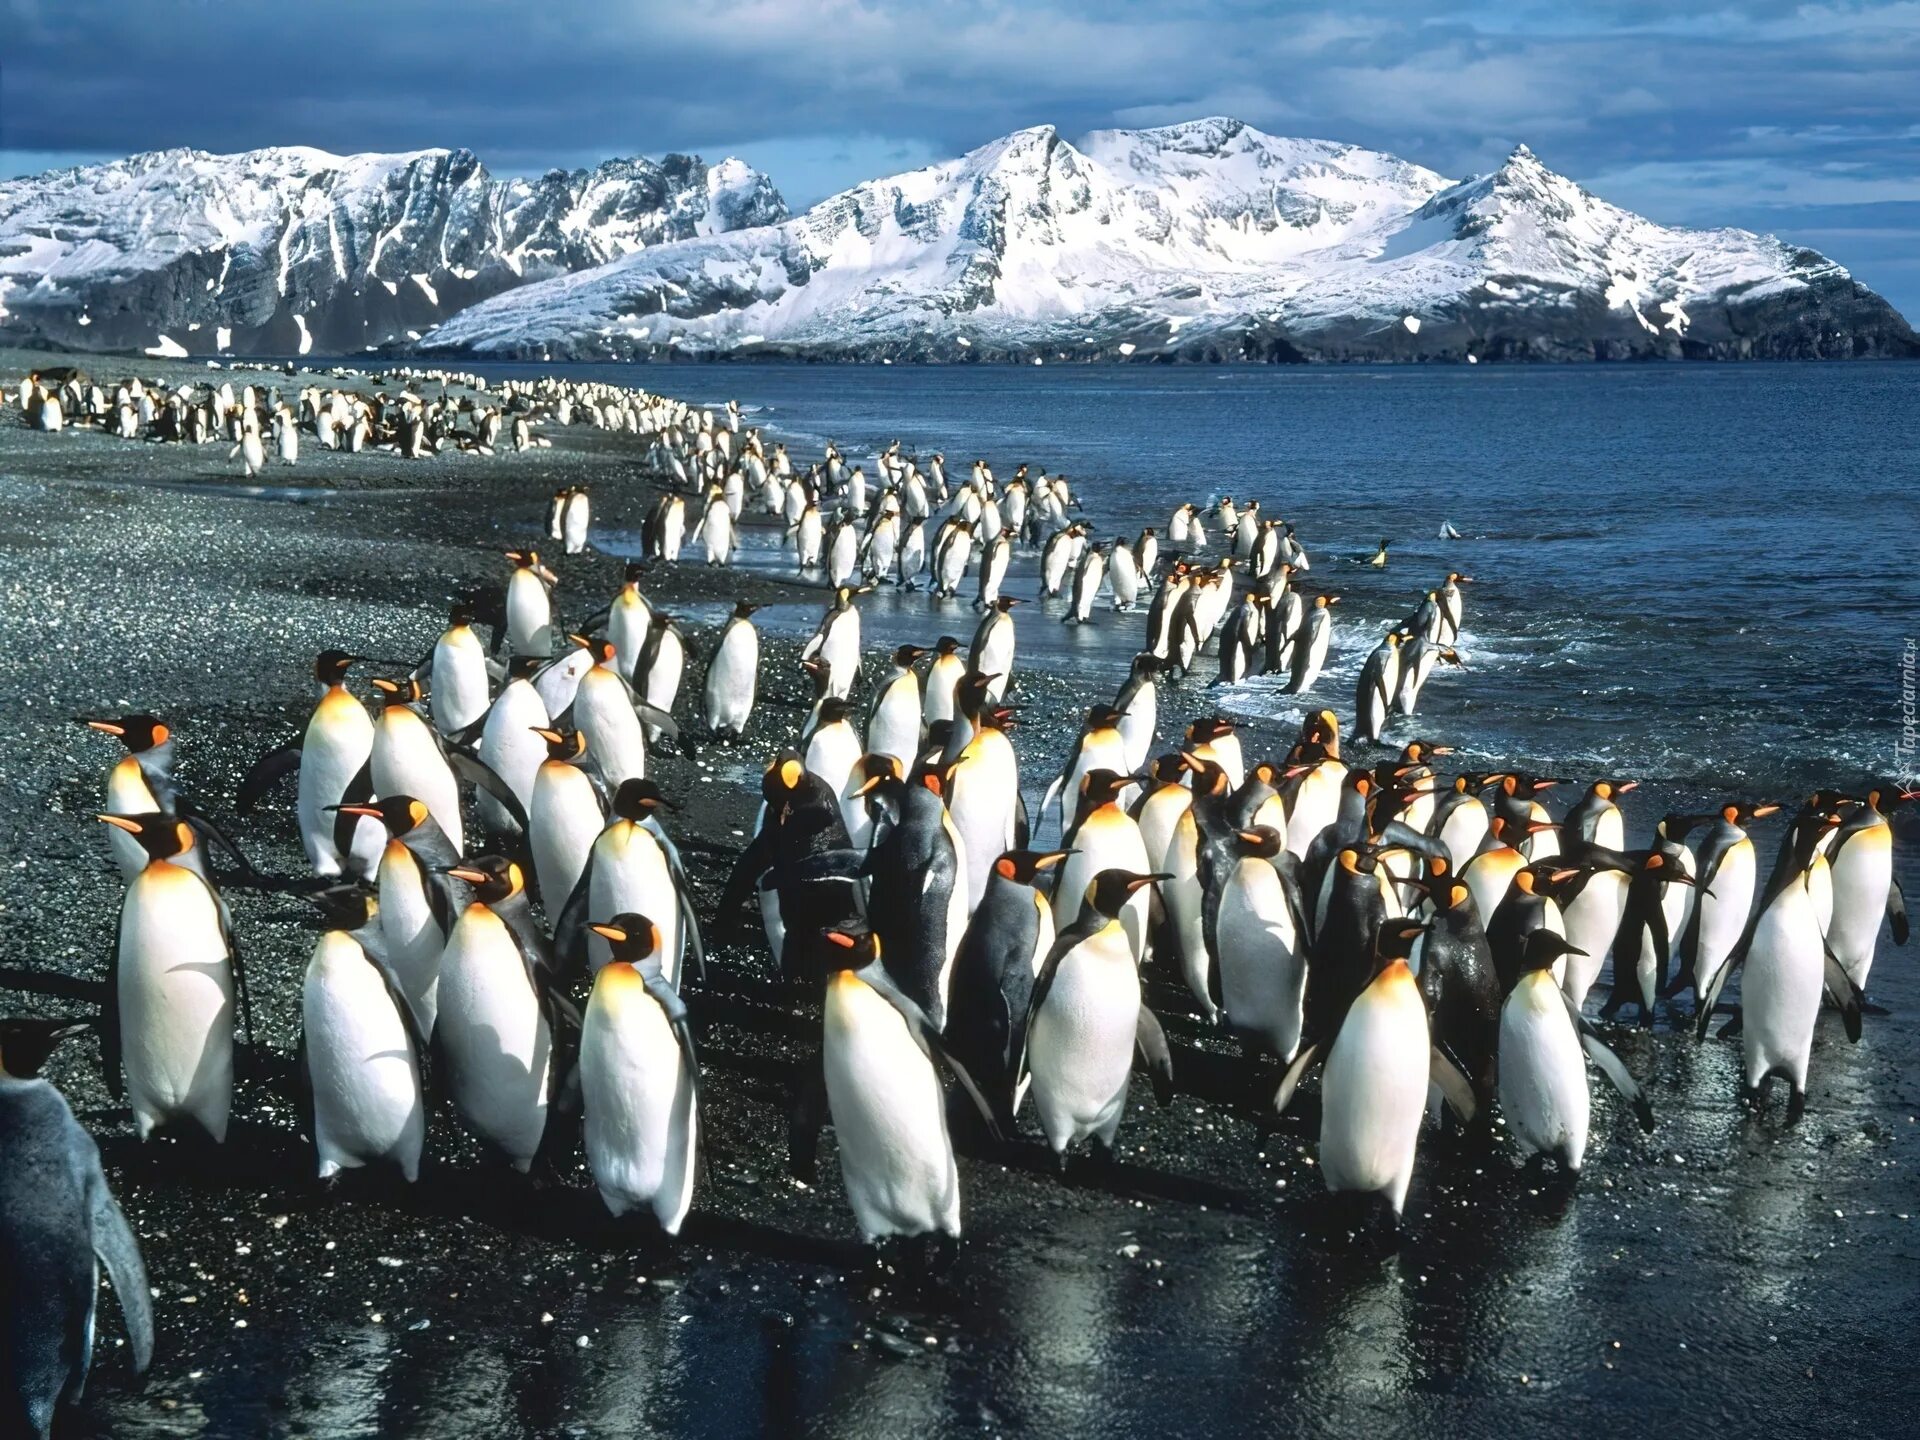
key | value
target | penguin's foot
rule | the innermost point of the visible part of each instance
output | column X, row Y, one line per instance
column 1796, row 1105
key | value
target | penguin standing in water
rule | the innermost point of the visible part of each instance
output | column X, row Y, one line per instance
column 505, row 1036
column 173, row 980
column 1380, row 1059
column 330, row 756
column 639, row 1078
column 361, row 1048
column 1642, row 944
column 1310, row 645
column 837, row 643
column 59, row 1227
column 1005, row 944
column 881, row 1059
column 1787, row 965
column 1728, row 874
column 632, row 867
column 1378, row 684
column 917, row 888
column 732, row 675
column 1864, row 887
column 1544, row 1045
column 1085, row 1021
column 415, row 908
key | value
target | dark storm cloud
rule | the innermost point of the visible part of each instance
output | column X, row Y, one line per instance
column 1751, row 113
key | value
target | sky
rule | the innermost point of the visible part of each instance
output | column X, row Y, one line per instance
column 1801, row 120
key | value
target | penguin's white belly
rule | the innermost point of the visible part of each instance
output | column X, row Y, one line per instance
column 889, row 1117
column 176, row 1002
column 1723, row 914
column 574, row 523
column 128, row 793
column 494, row 1037
column 529, row 615
column 367, row 1105
column 663, row 680
column 459, row 692
column 1185, row 901
column 564, row 822
column 983, row 810
column 1315, row 806
column 558, row 683
column 1080, row 1044
column 731, row 679
column 641, row 1123
column 1373, row 1095
column 630, row 875
column 1780, row 989
column 841, row 650
column 603, row 712
column 1591, row 918
column 627, row 625
column 895, row 729
column 338, row 742
column 1860, row 884
column 512, row 751
column 1159, row 819
column 1543, row 1073
column 1110, row 840
column 407, row 761
column 414, row 938
column 1676, row 903
column 1263, row 977
column 1463, row 830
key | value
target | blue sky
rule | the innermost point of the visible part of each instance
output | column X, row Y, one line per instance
column 1798, row 119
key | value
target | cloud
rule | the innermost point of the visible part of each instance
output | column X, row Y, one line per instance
column 1692, row 113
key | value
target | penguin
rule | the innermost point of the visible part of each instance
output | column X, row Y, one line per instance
column 944, row 675
column 837, row 642
column 1379, row 1061
column 1726, row 878
column 993, row 644
column 894, row 720
column 1595, row 819
column 1212, row 737
column 505, row 1036
column 1460, row 818
column 993, row 568
column 983, row 795
column 732, row 675
column 1104, row 837
column 1592, row 905
column 458, row 688
column 415, row 908
column 639, row 1078
column 1378, row 684
column 1085, row 1021
column 330, row 754
column 142, row 783
column 1418, row 659
column 1098, row 747
column 1452, row 607
column 1864, row 888
column 1457, row 976
column 567, row 814
column 1260, row 944
column 1531, row 903
column 607, row 712
column 832, row 753
column 510, row 745
column 1138, row 704
column 173, row 981
column 801, row 853
column 1199, row 828
column 633, row 866
column 1643, row 942
column 1788, row 965
column 879, row 1060
column 1087, row 578
column 917, row 903
column 59, row 1226
column 1316, row 796
column 1490, row 871
column 1006, row 942
column 361, row 1050
column 409, row 758
column 1310, row 646
column 529, row 607
column 629, row 621
column 576, row 518
column 1544, row 1045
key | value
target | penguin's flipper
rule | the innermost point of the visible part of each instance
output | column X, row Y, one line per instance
column 804, row 1123
column 1022, row 831
column 205, row 827
column 944, row 1059
column 1611, row 1066
column 482, row 776
column 1897, row 912
column 570, row 926
column 1151, row 1041
column 119, row 1254
column 656, row 717
column 1452, row 1084
column 689, row 917
column 110, row 1059
column 269, row 770
column 1705, row 1012
column 1844, row 993
column 358, row 792
column 744, row 879
column 1290, row 1082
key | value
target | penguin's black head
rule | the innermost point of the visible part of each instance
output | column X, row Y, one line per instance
column 1544, row 947
column 1738, row 814
column 1102, row 717
column 27, row 1040
column 1394, row 941
column 1208, row 728
column 399, row 692
column 494, row 878
column 343, row 907
column 524, row 667
column 330, row 666
column 742, row 610
column 1167, row 769
column 1026, row 867
column 636, row 799
column 633, row 937
column 905, row 655
column 1421, row 752
column 635, row 572
column 162, row 836
column 1357, row 860
column 563, row 745
column 850, row 947
column 971, row 693
column 1006, row 603
column 783, row 776
column 1262, row 840
column 884, row 774
column 834, row 709
column 401, row 814
column 459, row 614
column 946, row 645
column 1146, row 665
column 1667, row 870
column 1208, row 776
column 1103, row 787
column 1109, row 891
column 1610, row 789
column 139, row 733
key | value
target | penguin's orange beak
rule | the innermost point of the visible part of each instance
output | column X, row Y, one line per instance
column 105, row 727
column 471, row 876
column 372, row 812
column 120, row 822
column 609, row 932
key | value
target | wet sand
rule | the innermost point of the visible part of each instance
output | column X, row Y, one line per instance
column 1724, row 1272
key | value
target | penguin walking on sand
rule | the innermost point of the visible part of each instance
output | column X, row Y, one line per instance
column 173, row 983
column 732, row 675
column 1085, row 1022
column 639, row 1078
column 1310, row 645
column 1788, row 966
column 1379, row 1061
column 505, row 1035
column 361, row 1045
column 59, row 1227
column 1545, row 1044
column 880, row 1060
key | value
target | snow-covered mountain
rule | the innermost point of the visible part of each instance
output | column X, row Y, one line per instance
column 1204, row 240
column 285, row 250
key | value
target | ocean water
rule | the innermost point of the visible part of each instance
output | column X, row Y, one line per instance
column 1699, row 577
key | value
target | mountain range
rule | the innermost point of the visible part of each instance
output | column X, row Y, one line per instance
column 1203, row 241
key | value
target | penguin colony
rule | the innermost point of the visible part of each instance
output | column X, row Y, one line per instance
column 506, row 924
